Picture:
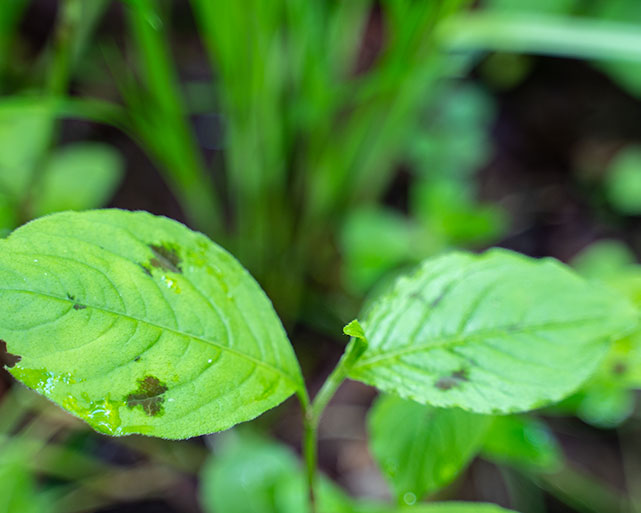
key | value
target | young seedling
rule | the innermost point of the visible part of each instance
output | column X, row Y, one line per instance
column 136, row 324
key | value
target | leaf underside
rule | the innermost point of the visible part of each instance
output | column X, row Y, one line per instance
column 137, row 324
column 491, row 333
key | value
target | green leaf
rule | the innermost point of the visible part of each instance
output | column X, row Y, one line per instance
column 79, row 177
column 497, row 332
column 420, row 448
column 354, row 329
column 249, row 474
column 136, row 324
column 623, row 181
column 524, row 442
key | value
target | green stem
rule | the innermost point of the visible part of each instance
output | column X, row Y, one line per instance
column 313, row 412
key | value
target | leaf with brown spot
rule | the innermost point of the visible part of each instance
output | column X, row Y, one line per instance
column 527, row 332
column 218, row 345
column 453, row 380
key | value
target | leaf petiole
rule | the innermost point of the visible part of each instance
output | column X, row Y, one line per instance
column 314, row 410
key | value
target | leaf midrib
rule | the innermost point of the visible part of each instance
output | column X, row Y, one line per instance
column 455, row 340
column 240, row 354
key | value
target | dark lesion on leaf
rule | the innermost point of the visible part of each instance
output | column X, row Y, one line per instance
column 432, row 303
column 149, row 396
column 619, row 368
column 6, row 358
column 455, row 379
column 76, row 306
column 165, row 257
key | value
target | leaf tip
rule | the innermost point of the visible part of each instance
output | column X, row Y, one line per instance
column 354, row 329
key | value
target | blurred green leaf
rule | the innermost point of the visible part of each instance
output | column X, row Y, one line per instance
column 623, row 181
column 563, row 36
column 18, row 493
column 8, row 215
column 535, row 6
column 25, row 128
column 522, row 441
column 446, row 209
column 627, row 74
column 604, row 258
column 249, row 474
column 78, row 177
column 375, row 241
column 436, row 507
column 421, row 449
column 605, row 404
column 454, row 141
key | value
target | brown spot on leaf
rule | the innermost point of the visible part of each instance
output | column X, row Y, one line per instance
column 137, row 359
column 453, row 380
column 77, row 306
column 165, row 257
column 6, row 358
column 619, row 368
column 149, row 396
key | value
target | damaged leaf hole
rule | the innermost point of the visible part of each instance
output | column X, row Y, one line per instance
column 149, row 396
column 6, row 358
column 165, row 258
column 453, row 380
column 76, row 306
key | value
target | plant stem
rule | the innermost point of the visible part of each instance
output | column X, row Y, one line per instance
column 312, row 412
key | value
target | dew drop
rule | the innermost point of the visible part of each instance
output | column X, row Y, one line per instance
column 409, row 498
column 210, row 360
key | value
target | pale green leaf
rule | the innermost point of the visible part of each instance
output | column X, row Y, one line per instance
column 25, row 128
column 545, row 34
column 78, row 177
column 523, row 442
column 420, row 448
column 136, row 324
column 497, row 332
column 248, row 474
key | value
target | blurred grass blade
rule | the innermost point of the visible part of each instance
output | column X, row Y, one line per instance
column 163, row 123
column 548, row 35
